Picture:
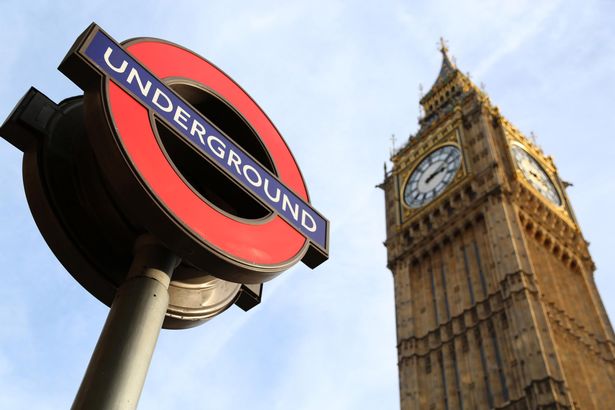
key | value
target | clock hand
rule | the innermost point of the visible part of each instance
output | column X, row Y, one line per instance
column 538, row 177
column 436, row 172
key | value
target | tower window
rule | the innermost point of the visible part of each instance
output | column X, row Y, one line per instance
column 487, row 308
column 504, row 320
column 490, row 328
column 477, row 336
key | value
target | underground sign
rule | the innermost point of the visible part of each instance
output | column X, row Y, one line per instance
column 194, row 159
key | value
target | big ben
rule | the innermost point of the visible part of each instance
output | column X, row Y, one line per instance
column 496, row 304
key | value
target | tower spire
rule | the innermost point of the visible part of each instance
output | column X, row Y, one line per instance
column 447, row 64
column 448, row 72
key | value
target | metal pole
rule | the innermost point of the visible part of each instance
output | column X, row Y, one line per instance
column 116, row 372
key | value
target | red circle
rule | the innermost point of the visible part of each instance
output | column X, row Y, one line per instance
column 272, row 242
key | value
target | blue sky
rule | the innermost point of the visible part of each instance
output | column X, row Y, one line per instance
column 337, row 78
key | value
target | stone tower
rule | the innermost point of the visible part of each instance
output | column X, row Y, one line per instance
column 495, row 299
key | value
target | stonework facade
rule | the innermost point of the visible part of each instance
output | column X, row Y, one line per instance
column 495, row 299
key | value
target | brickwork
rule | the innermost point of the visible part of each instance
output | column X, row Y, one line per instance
column 496, row 306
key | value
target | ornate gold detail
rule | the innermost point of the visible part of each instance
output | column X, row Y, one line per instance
column 450, row 138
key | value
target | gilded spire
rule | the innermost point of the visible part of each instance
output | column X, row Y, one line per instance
column 447, row 66
column 448, row 73
column 449, row 86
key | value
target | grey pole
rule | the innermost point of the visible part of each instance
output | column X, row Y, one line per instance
column 116, row 372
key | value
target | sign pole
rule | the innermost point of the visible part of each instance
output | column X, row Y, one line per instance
column 116, row 372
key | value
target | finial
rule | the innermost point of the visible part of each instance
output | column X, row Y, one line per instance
column 443, row 46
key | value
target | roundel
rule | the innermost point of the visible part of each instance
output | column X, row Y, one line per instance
column 270, row 242
column 191, row 158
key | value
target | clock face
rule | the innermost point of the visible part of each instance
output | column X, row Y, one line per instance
column 433, row 174
column 535, row 174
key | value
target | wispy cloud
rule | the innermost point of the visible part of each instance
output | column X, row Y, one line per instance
column 527, row 27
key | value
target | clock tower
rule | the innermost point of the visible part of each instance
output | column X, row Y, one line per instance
column 495, row 299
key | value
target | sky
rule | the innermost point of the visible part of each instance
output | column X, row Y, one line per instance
column 338, row 78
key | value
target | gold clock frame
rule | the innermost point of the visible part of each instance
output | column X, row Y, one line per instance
column 453, row 138
column 555, row 181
